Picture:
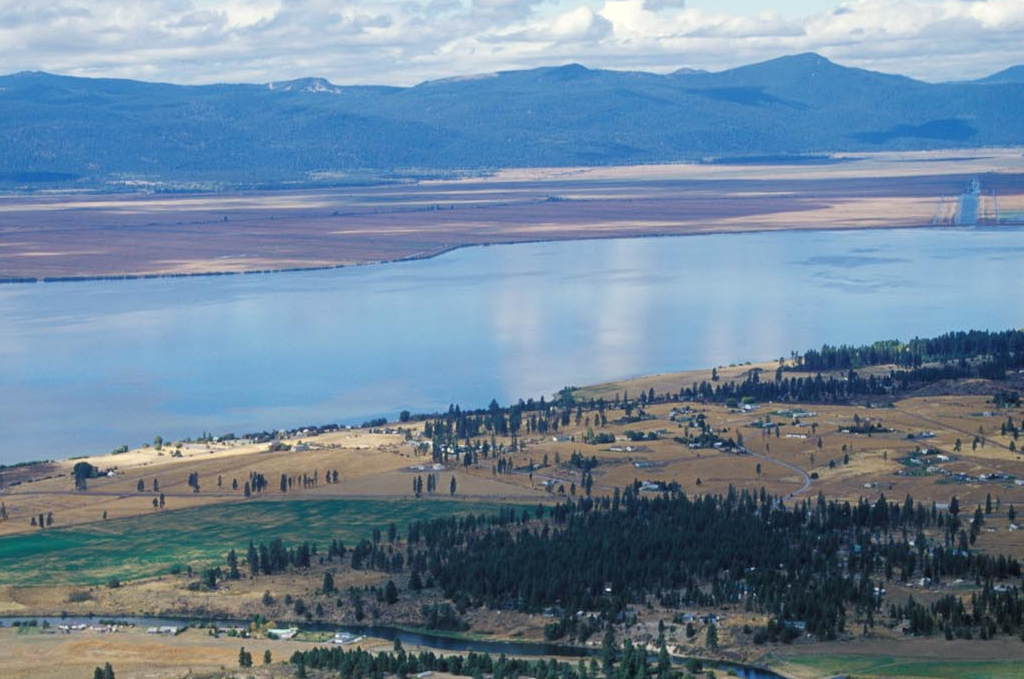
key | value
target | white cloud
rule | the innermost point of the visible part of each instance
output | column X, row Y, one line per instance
column 405, row 41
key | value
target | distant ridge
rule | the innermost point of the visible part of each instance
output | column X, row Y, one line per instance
column 307, row 85
column 54, row 126
column 1014, row 74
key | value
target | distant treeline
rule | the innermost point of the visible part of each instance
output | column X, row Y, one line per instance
column 955, row 355
column 1006, row 345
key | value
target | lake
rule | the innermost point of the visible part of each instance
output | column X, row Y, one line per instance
column 88, row 366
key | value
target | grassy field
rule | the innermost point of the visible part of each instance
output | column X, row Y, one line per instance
column 150, row 545
column 827, row 665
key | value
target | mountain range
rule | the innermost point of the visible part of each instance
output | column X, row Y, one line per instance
column 56, row 129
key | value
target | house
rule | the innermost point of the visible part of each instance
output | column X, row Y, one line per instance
column 345, row 638
column 284, row 634
column 171, row 630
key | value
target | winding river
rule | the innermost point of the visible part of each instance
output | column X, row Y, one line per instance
column 407, row 637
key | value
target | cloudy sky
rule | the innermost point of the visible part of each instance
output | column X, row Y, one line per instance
column 403, row 42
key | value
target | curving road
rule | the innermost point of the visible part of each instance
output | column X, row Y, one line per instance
column 791, row 467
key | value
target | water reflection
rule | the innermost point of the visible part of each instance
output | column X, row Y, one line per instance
column 85, row 367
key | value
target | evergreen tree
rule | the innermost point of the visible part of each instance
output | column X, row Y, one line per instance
column 390, row 592
column 711, row 637
column 253, row 560
column 233, row 566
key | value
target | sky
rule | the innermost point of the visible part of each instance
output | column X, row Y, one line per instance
column 403, row 42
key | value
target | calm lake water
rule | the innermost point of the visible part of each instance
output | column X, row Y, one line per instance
column 85, row 367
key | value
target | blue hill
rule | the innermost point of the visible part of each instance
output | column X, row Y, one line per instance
column 55, row 126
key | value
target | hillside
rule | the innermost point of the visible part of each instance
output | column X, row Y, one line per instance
column 57, row 129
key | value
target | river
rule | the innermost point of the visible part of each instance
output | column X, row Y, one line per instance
column 88, row 366
column 440, row 642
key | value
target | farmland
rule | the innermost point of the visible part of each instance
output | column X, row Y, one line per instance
column 149, row 545
column 913, row 659
column 146, row 234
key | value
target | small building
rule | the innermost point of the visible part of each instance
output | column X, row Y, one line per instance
column 170, row 630
column 345, row 638
column 284, row 634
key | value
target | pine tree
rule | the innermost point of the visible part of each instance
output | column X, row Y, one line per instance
column 390, row 592
column 253, row 559
column 233, row 566
column 711, row 638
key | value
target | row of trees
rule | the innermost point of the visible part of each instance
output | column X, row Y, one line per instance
column 624, row 661
column 432, row 479
column 276, row 558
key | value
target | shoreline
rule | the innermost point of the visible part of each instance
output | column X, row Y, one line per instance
column 427, row 255
column 114, row 236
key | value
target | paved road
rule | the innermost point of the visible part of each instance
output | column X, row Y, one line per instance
column 791, row 467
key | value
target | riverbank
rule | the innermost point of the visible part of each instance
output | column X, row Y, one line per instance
column 30, row 647
column 72, row 237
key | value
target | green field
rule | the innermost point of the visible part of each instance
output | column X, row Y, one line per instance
column 150, row 545
column 888, row 666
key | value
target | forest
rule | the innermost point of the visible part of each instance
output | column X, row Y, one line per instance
column 1006, row 346
column 821, row 566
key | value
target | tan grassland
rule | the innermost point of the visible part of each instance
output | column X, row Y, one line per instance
column 134, row 653
column 368, row 465
column 375, row 464
column 78, row 235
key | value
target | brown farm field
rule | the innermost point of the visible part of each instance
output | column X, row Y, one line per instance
column 139, row 234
